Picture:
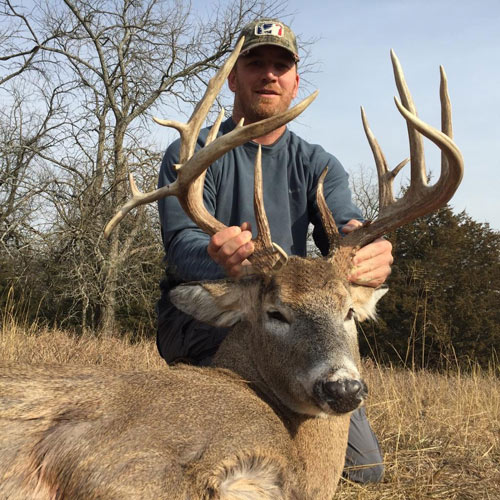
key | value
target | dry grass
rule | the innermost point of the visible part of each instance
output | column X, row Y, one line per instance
column 41, row 345
column 440, row 433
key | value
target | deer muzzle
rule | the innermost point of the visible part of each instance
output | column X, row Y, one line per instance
column 342, row 395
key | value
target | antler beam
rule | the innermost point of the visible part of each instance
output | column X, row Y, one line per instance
column 188, row 187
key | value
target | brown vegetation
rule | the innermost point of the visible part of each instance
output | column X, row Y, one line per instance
column 440, row 432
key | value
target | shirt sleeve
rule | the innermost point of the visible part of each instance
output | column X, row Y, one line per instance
column 185, row 244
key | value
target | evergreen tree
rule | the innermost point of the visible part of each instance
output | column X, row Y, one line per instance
column 444, row 291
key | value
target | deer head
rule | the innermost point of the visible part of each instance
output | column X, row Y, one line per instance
column 293, row 332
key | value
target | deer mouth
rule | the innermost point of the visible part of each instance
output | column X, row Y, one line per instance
column 340, row 396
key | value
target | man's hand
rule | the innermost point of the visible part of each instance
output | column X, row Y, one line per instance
column 231, row 247
column 372, row 263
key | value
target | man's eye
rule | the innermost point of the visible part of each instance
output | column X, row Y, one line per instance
column 282, row 67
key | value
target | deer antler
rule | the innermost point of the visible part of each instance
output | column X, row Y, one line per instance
column 188, row 187
column 420, row 199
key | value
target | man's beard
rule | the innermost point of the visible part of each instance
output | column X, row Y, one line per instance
column 261, row 110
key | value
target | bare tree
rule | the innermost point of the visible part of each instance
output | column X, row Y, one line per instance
column 28, row 130
column 364, row 191
column 119, row 62
column 18, row 54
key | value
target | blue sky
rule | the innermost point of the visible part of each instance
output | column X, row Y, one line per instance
column 355, row 38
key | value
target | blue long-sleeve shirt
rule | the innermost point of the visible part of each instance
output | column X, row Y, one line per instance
column 290, row 168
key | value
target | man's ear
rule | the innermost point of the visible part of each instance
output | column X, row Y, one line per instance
column 231, row 79
column 297, row 82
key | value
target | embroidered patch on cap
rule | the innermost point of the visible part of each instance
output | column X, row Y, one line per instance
column 273, row 29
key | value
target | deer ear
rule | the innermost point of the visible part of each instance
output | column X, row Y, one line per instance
column 365, row 300
column 216, row 303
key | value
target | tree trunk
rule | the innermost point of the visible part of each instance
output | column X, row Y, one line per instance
column 107, row 327
column 108, row 315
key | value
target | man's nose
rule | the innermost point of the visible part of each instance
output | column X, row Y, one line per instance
column 270, row 72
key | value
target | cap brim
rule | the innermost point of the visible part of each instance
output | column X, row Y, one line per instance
column 246, row 50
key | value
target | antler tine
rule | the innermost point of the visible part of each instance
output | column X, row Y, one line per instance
column 385, row 176
column 327, row 219
column 139, row 198
column 263, row 230
column 420, row 199
column 267, row 255
column 418, row 174
column 446, row 125
column 189, row 131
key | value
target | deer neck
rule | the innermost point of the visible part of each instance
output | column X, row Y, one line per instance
column 235, row 354
column 320, row 442
column 321, row 446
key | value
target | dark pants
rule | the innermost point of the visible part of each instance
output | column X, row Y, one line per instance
column 181, row 338
column 363, row 458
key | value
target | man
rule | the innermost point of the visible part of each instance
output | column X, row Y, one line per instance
column 264, row 81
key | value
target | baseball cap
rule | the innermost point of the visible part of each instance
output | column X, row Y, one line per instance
column 269, row 32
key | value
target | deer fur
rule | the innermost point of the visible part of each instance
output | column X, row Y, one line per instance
column 250, row 428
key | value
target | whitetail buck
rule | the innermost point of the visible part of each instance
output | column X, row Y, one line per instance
column 271, row 420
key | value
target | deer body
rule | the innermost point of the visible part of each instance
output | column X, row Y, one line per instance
column 197, row 433
column 85, row 434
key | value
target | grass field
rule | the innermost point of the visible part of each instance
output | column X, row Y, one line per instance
column 440, row 433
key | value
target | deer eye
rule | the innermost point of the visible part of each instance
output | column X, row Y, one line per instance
column 349, row 315
column 278, row 316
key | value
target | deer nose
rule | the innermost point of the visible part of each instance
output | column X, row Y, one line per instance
column 344, row 395
column 345, row 388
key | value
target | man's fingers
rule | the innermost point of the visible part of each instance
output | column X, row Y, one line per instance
column 372, row 264
column 231, row 247
column 379, row 248
column 351, row 226
column 226, row 242
column 379, row 264
column 218, row 239
column 240, row 254
column 246, row 226
column 370, row 276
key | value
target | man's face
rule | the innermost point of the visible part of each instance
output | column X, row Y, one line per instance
column 264, row 83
